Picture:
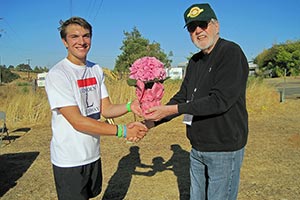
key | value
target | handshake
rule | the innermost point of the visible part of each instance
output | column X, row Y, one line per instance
column 135, row 131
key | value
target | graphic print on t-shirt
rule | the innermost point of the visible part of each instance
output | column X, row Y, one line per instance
column 88, row 88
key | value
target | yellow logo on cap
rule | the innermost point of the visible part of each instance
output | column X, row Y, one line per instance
column 194, row 12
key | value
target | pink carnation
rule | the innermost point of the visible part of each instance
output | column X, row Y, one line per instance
column 149, row 97
column 147, row 69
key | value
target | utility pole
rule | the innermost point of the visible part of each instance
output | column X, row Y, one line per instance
column 28, row 60
column 0, row 70
column 1, row 30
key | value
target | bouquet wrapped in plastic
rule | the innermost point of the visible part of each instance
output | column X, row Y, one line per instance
column 147, row 75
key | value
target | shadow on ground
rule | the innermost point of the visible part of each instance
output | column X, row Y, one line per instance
column 179, row 163
column 13, row 135
column 12, row 167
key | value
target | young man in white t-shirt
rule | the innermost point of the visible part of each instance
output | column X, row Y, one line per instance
column 78, row 97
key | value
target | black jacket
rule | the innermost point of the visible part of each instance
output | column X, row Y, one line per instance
column 220, row 118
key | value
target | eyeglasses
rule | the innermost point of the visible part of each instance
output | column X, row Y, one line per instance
column 193, row 25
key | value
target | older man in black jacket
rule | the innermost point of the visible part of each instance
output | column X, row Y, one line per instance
column 212, row 98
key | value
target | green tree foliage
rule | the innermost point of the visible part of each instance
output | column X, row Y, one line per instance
column 6, row 75
column 134, row 47
column 38, row 69
column 23, row 68
column 11, row 67
column 280, row 58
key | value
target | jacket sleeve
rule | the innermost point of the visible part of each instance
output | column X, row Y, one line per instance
column 178, row 98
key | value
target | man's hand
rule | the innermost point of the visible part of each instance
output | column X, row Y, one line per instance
column 136, row 131
column 136, row 108
column 156, row 113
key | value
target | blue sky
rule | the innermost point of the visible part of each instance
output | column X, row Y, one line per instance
column 29, row 28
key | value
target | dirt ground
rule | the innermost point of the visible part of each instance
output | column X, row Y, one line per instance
column 156, row 168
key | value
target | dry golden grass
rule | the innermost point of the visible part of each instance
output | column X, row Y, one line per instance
column 24, row 106
column 261, row 97
column 270, row 170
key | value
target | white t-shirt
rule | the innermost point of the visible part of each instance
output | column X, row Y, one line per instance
column 68, row 84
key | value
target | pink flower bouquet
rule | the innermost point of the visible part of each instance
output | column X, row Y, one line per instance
column 147, row 75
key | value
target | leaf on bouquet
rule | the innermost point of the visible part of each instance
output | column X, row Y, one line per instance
column 131, row 82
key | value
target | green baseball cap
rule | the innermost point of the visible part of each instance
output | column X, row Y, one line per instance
column 199, row 12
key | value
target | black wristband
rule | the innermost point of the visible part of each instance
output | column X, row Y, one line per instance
column 117, row 130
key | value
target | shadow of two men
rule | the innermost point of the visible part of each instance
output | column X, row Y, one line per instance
column 179, row 163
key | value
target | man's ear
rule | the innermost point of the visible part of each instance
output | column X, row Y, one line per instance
column 217, row 26
column 64, row 42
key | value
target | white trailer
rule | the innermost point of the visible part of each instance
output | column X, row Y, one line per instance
column 41, row 79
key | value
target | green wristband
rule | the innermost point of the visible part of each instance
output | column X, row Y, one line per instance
column 120, row 131
column 128, row 106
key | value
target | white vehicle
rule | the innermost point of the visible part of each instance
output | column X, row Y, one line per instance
column 41, row 79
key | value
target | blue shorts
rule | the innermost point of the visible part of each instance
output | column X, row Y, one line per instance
column 78, row 183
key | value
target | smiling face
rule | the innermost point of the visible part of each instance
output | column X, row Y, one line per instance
column 78, row 43
column 205, row 37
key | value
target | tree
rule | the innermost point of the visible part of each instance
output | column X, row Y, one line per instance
column 23, row 67
column 281, row 57
column 38, row 69
column 6, row 75
column 11, row 67
column 134, row 47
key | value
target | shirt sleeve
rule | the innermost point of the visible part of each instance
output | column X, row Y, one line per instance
column 59, row 90
column 104, row 92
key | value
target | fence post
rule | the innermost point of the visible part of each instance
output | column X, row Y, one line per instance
column 282, row 95
column 282, row 92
